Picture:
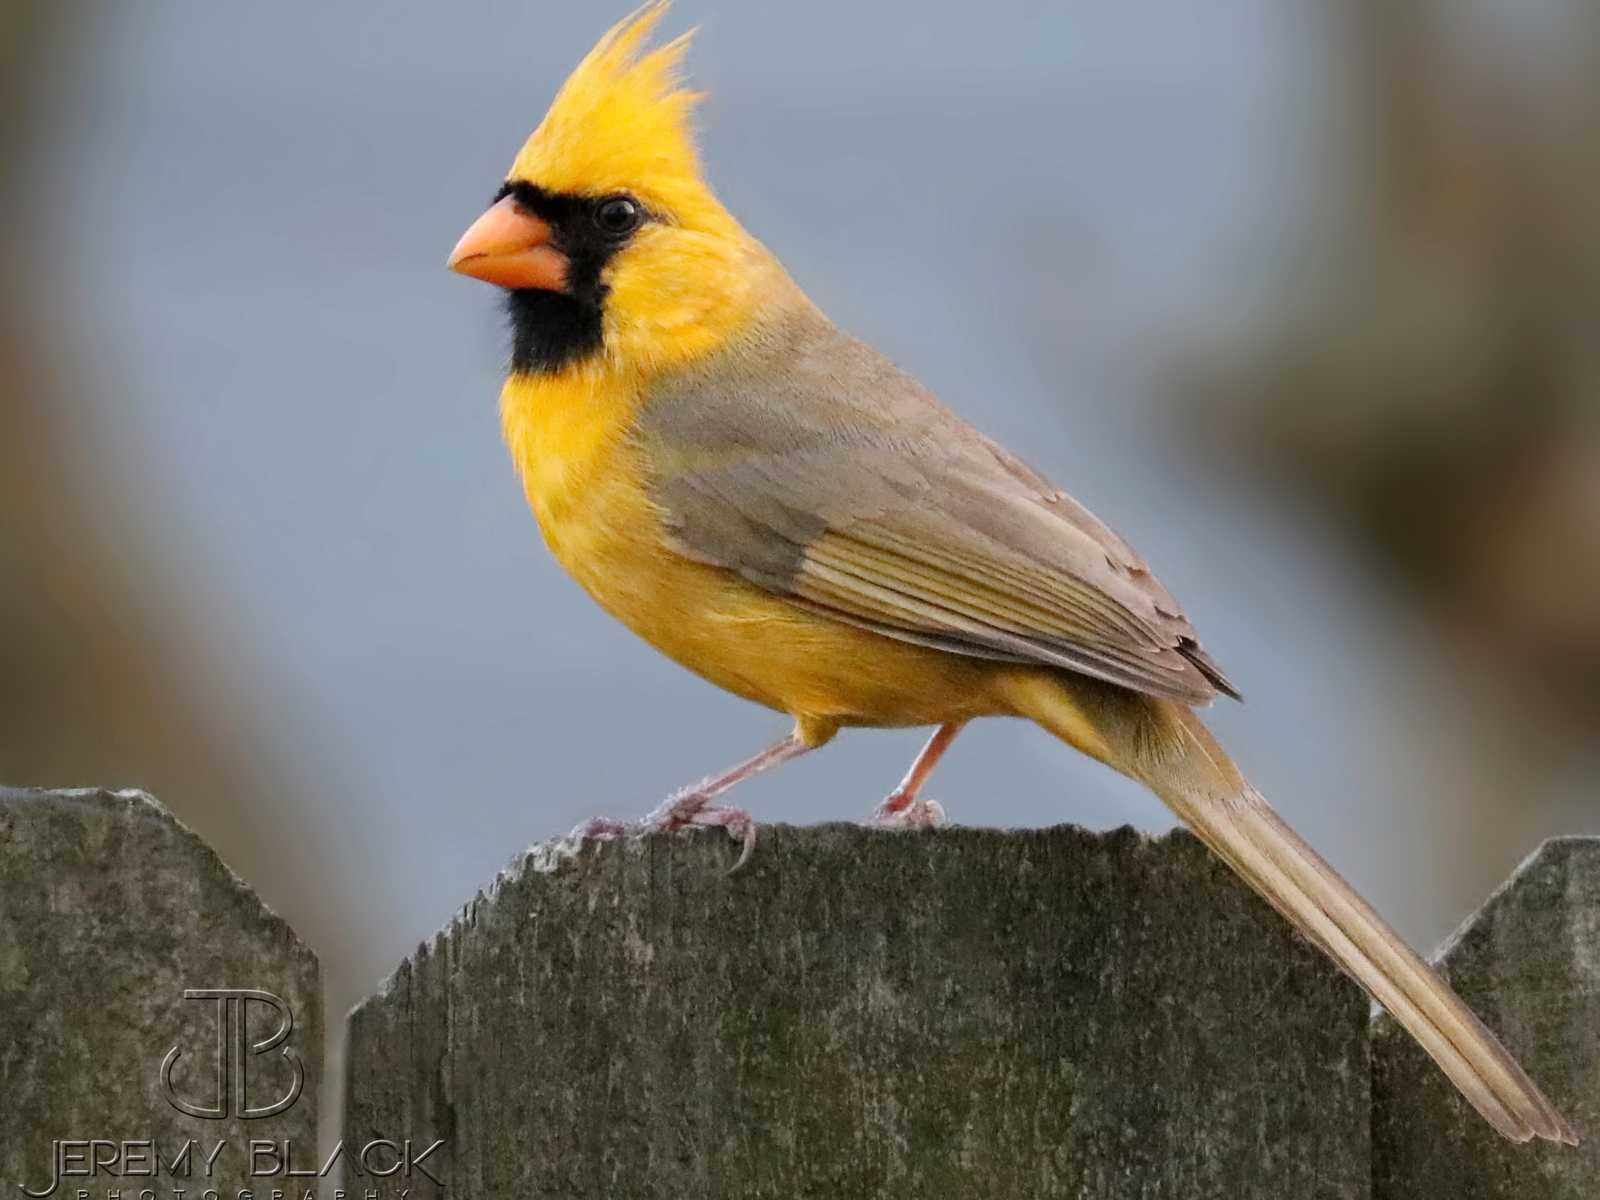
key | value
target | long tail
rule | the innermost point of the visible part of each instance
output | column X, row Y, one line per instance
column 1165, row 746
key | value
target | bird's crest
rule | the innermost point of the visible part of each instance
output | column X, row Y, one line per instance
column 622, row 121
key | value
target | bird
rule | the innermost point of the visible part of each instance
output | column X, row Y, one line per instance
column 777, row 507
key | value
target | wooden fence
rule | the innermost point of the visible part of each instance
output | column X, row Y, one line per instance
column 963, row 1013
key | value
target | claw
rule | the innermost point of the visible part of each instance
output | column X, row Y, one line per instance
column 747, row 833
column 688, row 809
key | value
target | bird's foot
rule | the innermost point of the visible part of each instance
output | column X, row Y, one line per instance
column 598, row 829
column 682, row 811
column 688, row 809
column 901, row 810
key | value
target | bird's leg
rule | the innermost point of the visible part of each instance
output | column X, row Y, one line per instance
column 693, row 805
column 903, row 808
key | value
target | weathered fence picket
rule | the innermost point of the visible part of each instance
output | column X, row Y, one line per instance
column 964, row 1013
column 968, row 1013
column 1529, row 964
column 110, row 911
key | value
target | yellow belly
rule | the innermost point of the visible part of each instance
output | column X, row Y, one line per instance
column 587, row 487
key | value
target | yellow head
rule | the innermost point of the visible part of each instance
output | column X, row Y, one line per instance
column 612, row 247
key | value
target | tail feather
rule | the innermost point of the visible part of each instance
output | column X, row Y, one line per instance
column 1296, row 881
column 1166, row 747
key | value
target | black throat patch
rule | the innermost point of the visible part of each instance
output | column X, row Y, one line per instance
column 553, row 330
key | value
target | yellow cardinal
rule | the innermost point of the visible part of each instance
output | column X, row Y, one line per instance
column 777, row 507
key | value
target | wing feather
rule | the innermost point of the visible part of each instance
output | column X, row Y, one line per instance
column 813, row 468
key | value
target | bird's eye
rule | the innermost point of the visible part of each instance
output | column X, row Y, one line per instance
column 618, row 216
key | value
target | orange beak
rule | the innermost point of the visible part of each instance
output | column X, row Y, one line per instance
column 510, row 248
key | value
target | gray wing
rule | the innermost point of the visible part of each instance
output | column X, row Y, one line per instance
column 812, row 467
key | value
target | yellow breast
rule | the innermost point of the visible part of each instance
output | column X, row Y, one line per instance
column 588, row 485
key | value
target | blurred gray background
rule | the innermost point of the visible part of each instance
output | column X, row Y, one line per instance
column 1300, row 298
